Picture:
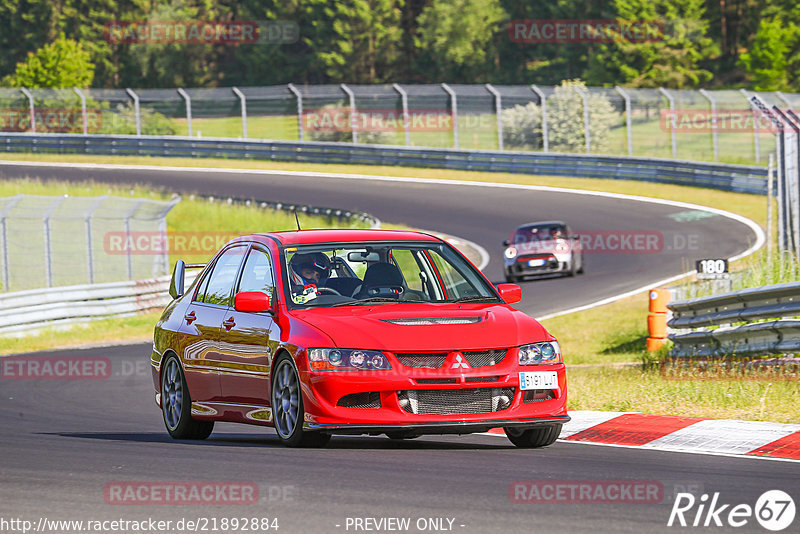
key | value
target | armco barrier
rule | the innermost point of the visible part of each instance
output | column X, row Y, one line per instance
column 23, row 311
column 728, row 177
column 781, row 335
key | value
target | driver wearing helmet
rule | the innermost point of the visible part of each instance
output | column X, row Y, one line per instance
column 310, row 269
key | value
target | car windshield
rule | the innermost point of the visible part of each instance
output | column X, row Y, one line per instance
column 353, row 274
column 537, row 233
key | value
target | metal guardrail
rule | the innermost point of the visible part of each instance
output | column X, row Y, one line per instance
column 24, row 311
column 780, row 335
column 728, row 177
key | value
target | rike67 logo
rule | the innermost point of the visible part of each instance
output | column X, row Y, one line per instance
column 774, row 510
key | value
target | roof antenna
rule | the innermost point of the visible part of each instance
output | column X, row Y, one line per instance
column 296, row 219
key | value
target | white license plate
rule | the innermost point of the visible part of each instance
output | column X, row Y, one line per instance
column 538, row 380
column 535, row 263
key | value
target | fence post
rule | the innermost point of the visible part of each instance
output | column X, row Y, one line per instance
column 628, row 121
column 4, row 236
column 770, row 173
column 584, row 94
column 48, row 257
column 136, row 110
column 88, row 223
column 243, row 102
column 353, row 117
column 162, row 230
column 31, row 109
column 299, row 97
column 453, row 111
column 498, row 110
column 128, row 216
column 757, row 102
column 188, row 101
column 673, row 134
column 791, row 180
column 543, row 100
column 83, row 109
column 714, row 132
column 756, row 140
column 406, row 117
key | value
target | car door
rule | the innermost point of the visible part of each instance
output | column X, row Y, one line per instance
column 202, row 321
column 248, row 339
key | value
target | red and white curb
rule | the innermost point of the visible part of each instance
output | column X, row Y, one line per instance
column 683, row 434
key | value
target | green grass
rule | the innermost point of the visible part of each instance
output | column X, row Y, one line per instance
column 637, row 390
column 650, row 137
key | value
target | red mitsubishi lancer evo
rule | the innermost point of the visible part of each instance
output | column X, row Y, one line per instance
column 323, row 332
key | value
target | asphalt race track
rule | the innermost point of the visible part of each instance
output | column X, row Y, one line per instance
column 483, row 215
column 65, row 442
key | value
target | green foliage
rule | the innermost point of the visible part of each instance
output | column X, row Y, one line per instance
column 711, row 44
column 565, row 118
column 62, row 63
column 366, row 40
column 672, row 60
column 458, row 33
column 122, row 121
column 768, row 59
column 346, row 136
column 522, row 126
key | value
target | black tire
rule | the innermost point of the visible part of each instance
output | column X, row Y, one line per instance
column 176, row 404
column 511, row 279
column 534, row 438
column 582, row 270
column 287, row 407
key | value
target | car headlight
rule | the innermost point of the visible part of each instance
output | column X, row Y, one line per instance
column 347, row 360
column 546, row 352
column 511, row 253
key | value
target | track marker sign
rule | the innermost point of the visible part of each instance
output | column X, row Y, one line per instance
column 712, row 269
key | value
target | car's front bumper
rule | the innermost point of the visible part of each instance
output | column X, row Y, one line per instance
column 325, row 391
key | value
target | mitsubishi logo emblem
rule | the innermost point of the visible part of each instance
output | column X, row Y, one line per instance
column 459, row 363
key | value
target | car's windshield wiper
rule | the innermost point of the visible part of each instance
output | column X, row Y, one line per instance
column 474, row 298
column 365, row 301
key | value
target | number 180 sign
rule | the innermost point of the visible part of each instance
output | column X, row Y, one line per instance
column 712, row 268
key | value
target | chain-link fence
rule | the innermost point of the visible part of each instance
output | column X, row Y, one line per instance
column 66, row 240
column 683, row 124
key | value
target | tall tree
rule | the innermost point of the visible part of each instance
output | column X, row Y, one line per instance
column 366, row 43
column 61, row 64
column 671, row 60
column 457, row 36
column 768, row 58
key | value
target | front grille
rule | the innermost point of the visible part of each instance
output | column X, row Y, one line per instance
column 539, row 395
column 482, row 358
column 455, row 401
column 436, row 380
column 483, row 379
column 428, row 360
column 369, row 399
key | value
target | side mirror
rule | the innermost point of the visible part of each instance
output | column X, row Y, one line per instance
column 510, row 293
column 505, row 242
column 252, row 301
column 178, row 275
